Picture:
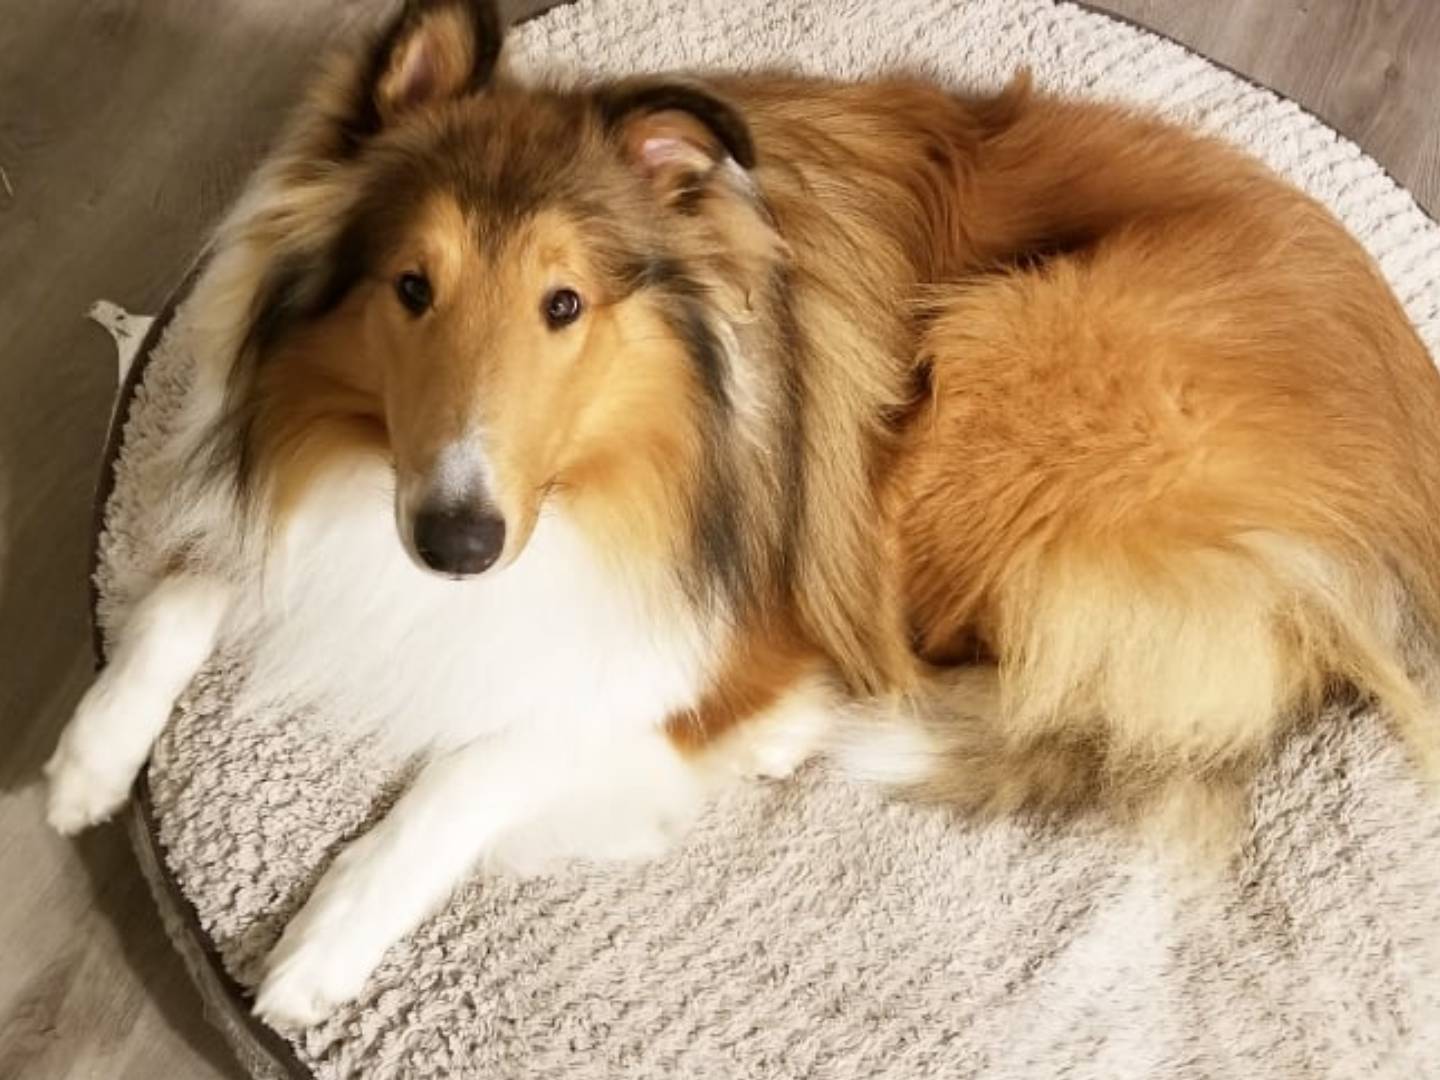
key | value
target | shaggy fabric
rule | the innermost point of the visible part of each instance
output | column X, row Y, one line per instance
column 809, row 929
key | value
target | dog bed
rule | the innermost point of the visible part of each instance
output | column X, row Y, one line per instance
column 810, row 928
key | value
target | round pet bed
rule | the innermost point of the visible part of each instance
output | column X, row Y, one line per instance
column 810, row 929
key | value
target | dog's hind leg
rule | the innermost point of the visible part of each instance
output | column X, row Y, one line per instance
column 1172, row 504
column 163, row 643
column 774, row 743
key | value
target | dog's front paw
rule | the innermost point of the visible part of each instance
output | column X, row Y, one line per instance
column 325, row 955
column 305, row 981
column 83, row 791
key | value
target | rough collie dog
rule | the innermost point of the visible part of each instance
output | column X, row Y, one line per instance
column 601, row 443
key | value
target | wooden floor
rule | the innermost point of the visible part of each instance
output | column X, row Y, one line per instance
column 125, row 127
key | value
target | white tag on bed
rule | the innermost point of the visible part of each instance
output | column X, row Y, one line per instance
column 126, row 328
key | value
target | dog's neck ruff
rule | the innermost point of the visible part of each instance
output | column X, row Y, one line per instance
column 563, row 638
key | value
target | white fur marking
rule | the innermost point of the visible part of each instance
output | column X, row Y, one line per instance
column 558, row 638
column 463, row 471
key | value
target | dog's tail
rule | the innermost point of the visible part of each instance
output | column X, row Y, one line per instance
column 947, row 744
column 1123, row 684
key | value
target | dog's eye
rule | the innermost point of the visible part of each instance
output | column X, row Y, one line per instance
column 414, row 291
column 562, row 307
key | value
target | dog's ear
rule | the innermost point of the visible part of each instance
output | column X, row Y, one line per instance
column 434, row 51
column 675, row 133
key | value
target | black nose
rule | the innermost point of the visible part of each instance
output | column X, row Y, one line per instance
column 459, row 539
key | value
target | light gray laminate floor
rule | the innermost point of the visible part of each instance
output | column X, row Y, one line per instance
column 125, row 126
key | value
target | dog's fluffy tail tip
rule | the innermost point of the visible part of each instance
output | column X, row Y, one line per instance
column 949, row 747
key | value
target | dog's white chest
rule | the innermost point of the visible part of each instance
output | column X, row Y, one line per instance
column 557, row 641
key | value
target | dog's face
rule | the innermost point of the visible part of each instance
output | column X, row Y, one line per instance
column 489, row 352
column 514, row 353
column 508, row 276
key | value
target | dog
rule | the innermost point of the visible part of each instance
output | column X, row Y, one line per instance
column 601, row 444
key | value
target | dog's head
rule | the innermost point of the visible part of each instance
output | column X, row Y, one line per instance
column 520, row 285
